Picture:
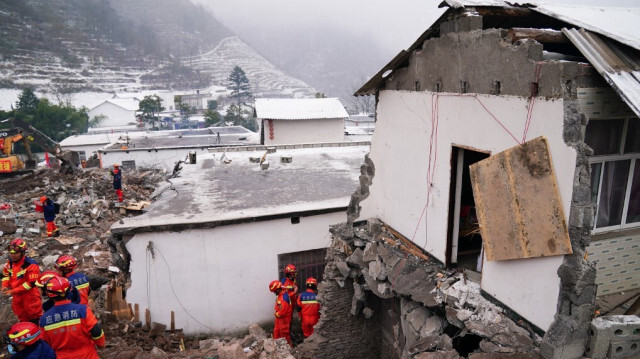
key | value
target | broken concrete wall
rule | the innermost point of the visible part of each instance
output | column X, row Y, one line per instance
column 481, row 61
column 434, row 310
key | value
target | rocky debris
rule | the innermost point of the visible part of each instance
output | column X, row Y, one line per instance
column 436, row 307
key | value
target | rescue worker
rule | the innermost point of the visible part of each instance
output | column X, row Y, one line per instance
column 289, row 282
column 71, row 329
column 19, row 275
column 117, row 181
column 66, row 264
column 24, row 341
column 283, row 312
column 309, row 307
column 73, row 294
column 47, row 206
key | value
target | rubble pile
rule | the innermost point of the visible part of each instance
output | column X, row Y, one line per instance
column 88, row 209
column 407, row 302
column 157, row 343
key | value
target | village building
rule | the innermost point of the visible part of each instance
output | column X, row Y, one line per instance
column 505, row 150
column 164, row 149
column 286, row 121
column 115, row 112
column 224, row 227
column 87, row 144
column 196, row 101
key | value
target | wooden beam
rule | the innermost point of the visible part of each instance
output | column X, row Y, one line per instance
column 545, row 36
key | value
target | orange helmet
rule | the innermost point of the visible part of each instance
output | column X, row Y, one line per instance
column 57, row 287
column 18, row 246
column 43, row 199
column 44, row 277
column 290, row 269
column 275, row 285
column 23, row 333
column 65, row 263
column 311, row 282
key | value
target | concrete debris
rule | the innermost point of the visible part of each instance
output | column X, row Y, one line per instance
column 404, row 303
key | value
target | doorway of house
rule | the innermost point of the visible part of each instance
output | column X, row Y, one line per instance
column 464, row 247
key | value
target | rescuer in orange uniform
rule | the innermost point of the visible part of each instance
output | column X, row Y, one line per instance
column 117, row 181
column 66, row 264
column 19, row 275
column 71, row 329
column 309, row 307
column 289, row 282
column 47, row 304
column 24, row 342
column 48, row 208
column 283, row 312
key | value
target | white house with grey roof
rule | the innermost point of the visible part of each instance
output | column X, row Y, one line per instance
column 225, row 227
column 288, row 121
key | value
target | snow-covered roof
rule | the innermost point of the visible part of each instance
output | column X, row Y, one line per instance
column 128, row 104
column 299, row 109
column 216, row 192
column 82, row 140
column 618, row 23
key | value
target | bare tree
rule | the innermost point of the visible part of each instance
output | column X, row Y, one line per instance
column 360, row 104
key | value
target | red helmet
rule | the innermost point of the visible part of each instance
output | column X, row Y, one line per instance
column 18, row 246
column 65, row 263
column 116, row 165
column 290, row 268
column 57, row 287
column 43, row 199
column 275, row 285
column 24, row 333
column 44, row 277
column 311, row 282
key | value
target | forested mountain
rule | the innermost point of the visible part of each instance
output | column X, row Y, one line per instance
column 111, row 45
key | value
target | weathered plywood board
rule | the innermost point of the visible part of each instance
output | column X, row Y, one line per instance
column 518, row 204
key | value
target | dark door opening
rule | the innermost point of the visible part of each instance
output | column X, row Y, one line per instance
column 464, row 247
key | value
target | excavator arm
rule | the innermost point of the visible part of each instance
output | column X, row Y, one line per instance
column 70, row 159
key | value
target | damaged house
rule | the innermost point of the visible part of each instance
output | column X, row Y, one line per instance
column 226, row 226
column 501, row 194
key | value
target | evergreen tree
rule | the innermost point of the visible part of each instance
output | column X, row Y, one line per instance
column 27, row 102
column 239, row 84
column 150, row 106
column 212, row 117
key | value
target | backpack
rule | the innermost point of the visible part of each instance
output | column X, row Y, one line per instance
column 56, row 208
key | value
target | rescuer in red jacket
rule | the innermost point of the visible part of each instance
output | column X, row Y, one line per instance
column 19, row 275
column 66, row 264
column 283, row 312
column 71, row 329
column 309, row 307
column 289, row 283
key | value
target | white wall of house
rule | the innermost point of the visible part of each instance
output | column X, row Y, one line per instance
column 116, row 115
column 220, row 275
column 160, row 158
column 304, row 131
column 400, row 152
column 87, row 149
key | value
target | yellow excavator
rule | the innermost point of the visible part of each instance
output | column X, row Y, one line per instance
column 21, row 131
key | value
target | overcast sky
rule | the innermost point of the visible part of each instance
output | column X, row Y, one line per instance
column 395, row 24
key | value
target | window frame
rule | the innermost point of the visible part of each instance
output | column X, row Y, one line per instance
column 620, row 156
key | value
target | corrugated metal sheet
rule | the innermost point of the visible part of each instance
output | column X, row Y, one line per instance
column 619, row 66
column 618, row 23
column 299, row 109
